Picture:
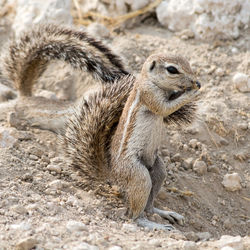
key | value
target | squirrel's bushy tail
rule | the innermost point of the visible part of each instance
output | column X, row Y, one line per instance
column 89, row 131
column 28, row 57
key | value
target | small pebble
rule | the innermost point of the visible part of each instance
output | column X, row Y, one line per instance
column 228, row 224
column 232, row 182
column 200, row 167
column 33, row 157
column 188, row 163
column 55, row 168
column 219, row 72
column 162, row 194
column 76, row 226
column 177, row 158
column 129, row 227
column 193, row 143
column 56, row 184
column 213, row 169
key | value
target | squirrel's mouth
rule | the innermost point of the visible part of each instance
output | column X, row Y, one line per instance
column 175, row 94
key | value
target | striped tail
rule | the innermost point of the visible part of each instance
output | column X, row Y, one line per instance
column 28, row 57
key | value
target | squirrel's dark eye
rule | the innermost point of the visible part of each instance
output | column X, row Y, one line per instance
column 172, row 70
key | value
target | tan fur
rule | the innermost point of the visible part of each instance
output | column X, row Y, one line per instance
column 143, row 128
column 116, row 132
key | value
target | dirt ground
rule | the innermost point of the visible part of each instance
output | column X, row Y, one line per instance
column 40, row 198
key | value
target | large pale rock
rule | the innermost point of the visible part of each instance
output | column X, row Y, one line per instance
column 242, row 82
column 31, row 12
column 230, row 241
column 8, row 137
column 208, row 19
column 232, row 182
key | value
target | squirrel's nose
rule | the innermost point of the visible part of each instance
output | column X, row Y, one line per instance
column 198, row 84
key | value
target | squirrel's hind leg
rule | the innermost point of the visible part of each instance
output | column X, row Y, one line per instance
column 157, row 175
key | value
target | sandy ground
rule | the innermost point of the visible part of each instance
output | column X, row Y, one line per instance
column 42, row 202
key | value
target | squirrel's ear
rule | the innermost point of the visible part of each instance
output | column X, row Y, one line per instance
column 152, row 65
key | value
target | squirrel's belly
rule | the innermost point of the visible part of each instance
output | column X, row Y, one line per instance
column 146, row 138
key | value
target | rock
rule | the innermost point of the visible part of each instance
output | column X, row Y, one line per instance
column 234, row 50
column 129, row 227
column 31, row 12
column 115, row 248
column 165, row 152
column 186, row 34
column 191, row 236
column 6, row 93
column 243, row 125
column 155, row 243
column 223, row 141
column 76, row 226
column 19, row 209
column 47, row 94
column 121, row 212
column 219, row 72
column 26, row 244
column 176, row 158
column 242, row 82
column 28, row 177
column 208, row 19
column 228, row 223
column 213, row 169
column 55, row 168
column 23, row 226
column 33, row 157
column 85, row 246
column 232, row 182
column 162, row 194
column 230, row 241
column 227, row 248
column 188, row 163
column 200, row 167
column 36, row 151
column 204, row 236
column 56, row 184
column 32, row 207
column 193, row 143
column 56, row 160
column 138, row 4
column 13, row 120
column 7, row 139
column 189, row 245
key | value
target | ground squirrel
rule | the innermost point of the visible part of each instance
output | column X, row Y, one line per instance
column 116, row 133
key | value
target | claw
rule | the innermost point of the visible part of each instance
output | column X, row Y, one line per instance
column 171, row 216
column 143, row 222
